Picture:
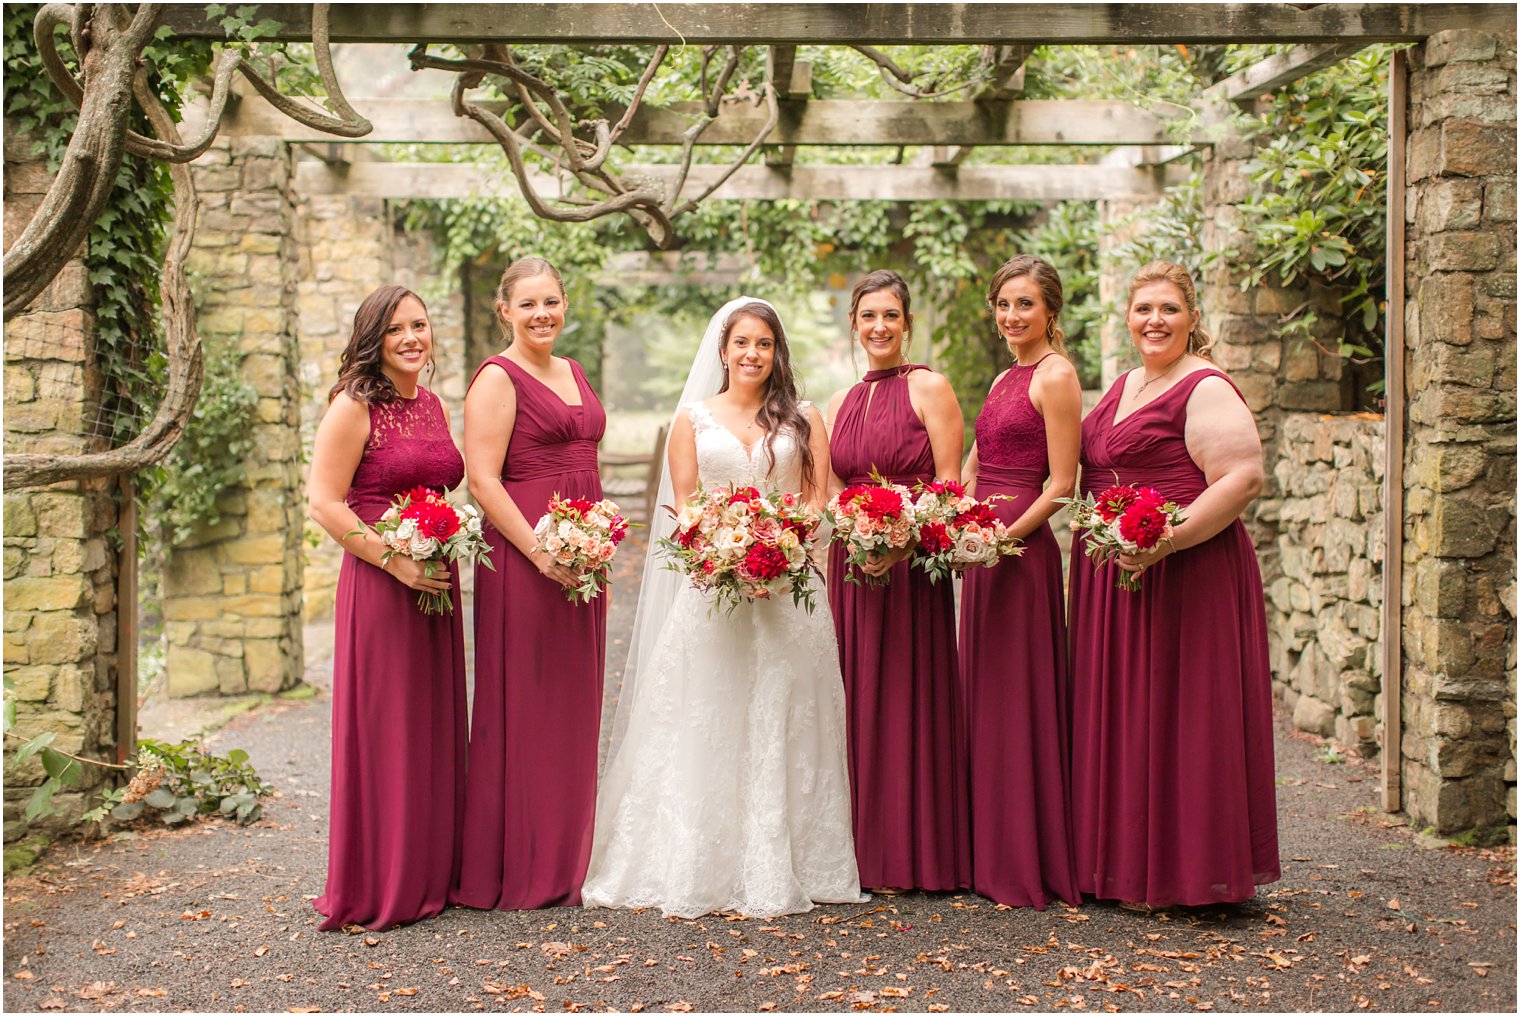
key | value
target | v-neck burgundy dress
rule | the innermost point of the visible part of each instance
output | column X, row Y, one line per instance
column 531, row 788
column 1173, row 793
column 907, row 752
column 1013, row 672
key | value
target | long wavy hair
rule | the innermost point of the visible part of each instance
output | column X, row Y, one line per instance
column 781, row 408
column 1046, row 279
column 1199, row 341
column 359, row 369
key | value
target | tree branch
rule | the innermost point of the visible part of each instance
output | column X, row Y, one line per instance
column 183, row 349
column 78, row 193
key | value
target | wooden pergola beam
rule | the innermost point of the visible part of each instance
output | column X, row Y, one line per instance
column 793, row 80
column 818, row 122
column 821, row 183
column 1272, row 73
column 1007, row 80
column 862, row 23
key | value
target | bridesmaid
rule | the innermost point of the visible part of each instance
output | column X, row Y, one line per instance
column 1172, row 781
column 531, row 427
column 897, row 642
column 1013, row 633
column 398, row 722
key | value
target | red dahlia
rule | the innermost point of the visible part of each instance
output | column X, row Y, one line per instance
column 765, row 561
column 1113, row 501
column 933, row 538
column 1142, row 524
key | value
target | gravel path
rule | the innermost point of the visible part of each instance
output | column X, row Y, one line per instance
column 218, row 918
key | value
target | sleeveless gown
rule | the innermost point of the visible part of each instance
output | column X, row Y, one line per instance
column 398, row 717
column 1013, row 673
column 897, row 651
column 1173, row 794
column 728, row 790
column 531, row 788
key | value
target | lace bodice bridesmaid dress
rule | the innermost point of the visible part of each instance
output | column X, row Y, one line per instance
column 897, row 652
column 1013, row 672
column 398, row 720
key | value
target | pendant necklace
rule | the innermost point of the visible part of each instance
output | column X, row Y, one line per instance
column 1150, row 381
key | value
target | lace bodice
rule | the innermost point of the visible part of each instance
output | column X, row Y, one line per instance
column 409, row 445
column 1010, row 432
column 723, row 458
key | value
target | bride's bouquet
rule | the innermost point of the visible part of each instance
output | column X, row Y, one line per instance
column 582, row 535
column 741, row 545
column 1123, row 519
column 872, row 518
column 956, row 532
column 422, row 525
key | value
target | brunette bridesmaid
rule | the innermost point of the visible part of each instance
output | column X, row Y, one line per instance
column 1173, row 796
column 1013, row 629
column 398, row 723
column 531, row 427
column 907, row 751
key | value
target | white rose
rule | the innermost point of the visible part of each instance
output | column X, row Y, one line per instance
column 1125, row 545
column 971, row 547
column 542, row 528
column 730, row 543
column 422, row 547
column 406, row 530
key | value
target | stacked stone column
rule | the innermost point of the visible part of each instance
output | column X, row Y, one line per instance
column 60, row 561
column 232, row 593
column 348, row 246
column 1459, row 454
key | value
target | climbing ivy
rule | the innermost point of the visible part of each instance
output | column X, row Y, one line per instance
column 122, row 260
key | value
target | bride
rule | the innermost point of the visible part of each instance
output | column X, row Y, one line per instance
column 725, row 788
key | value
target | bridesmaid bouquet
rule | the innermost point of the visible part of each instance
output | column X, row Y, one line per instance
column 422, row 525
column 872, row 518
column 956, row 532
column 1123, row 519
column 742, row 545
column 582, row 535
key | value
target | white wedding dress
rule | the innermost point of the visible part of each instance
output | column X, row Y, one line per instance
column 728, row 790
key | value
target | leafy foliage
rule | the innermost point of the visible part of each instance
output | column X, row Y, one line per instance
column 193, row 782
column 1318, row 210
column 209, row 459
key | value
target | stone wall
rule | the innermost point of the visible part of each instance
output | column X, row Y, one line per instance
column 232, row 593
column 347, row 247
column 1324, row 620
column 60, row 562
column 1459, row 453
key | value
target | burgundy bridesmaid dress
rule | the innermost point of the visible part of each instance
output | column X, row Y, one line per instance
column 1173, row 795
column 398, row 718
column 1013, row 673
column 907, row 752
column 531, row 788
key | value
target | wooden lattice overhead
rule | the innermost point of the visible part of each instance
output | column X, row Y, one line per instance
column 944, row 132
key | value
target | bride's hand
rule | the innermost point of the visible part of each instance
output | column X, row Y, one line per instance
column 552, row 570
column 878, row 565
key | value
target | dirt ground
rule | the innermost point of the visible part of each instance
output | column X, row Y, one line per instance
column 214, row 917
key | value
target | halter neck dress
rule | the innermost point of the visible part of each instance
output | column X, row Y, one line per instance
column 398, row 712
column 531, row 791
column 1013, row 672
column 907, row 748
column 1173, row 792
